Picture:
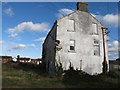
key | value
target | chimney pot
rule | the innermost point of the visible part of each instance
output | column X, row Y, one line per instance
column 82, row 6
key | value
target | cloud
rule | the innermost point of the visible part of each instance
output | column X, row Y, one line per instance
column 111, row 19
column 1, row 42
column 9, row 11
column 32, row 45
column 40, row 39
column 108, row 19
column 21, row 46
column 28, row 26
column 113, row 49
column 63, row 12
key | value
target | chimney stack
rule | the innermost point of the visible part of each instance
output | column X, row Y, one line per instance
column 82, row 6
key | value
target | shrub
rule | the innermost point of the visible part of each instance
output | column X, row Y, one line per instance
column 59, row 69
column 71, row 76
column 113, row 74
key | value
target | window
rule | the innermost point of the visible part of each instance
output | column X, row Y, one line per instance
column 71, row 25
column 96, row 42
column 95, row 28
column 72, row 45
column 96, row 48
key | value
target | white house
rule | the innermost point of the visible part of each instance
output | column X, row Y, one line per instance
column 36, row 61
column 24, row 59
column 77, row 39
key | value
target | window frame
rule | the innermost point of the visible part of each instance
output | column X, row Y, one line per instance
column 95, row 32
column 71, row 45
column 96, row 47
column 73, row 27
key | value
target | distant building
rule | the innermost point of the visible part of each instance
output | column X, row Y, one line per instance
column 114, row 64
column 5, row 59
column 15, row 59
column 24, row 59
column 77, row 39
column 36, row 61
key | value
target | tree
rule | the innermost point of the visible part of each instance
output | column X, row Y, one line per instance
column 18, row 58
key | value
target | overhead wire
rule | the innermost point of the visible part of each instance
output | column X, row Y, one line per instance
column 108, row 9
column 113, row 38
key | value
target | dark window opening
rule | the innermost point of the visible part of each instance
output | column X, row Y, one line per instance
column 72, row 48
column 72, row 45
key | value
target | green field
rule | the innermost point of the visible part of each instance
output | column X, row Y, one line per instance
column 16, row 76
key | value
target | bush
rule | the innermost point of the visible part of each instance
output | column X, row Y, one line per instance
column 75, row 77
column 113, row 74
column 59, row 69
column 71, row 76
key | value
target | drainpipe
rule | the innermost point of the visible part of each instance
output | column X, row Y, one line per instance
column 80, row 65
column 104, row 49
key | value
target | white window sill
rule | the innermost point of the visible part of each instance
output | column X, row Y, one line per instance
column 70, row 30
column 96, row 55
column 94, row 34
column 71, row 51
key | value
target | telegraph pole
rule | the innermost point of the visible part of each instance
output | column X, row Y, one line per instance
column 104, row 50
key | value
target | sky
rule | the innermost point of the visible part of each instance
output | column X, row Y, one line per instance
column 26, row 24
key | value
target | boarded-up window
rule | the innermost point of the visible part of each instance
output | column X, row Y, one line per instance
column 72, row 44
column 71, row 25
column 95, row 28
column 96, row 48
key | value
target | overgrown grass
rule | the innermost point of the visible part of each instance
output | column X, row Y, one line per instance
column 16, row 75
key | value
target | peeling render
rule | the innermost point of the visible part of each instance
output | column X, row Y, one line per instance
column 57, row 44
